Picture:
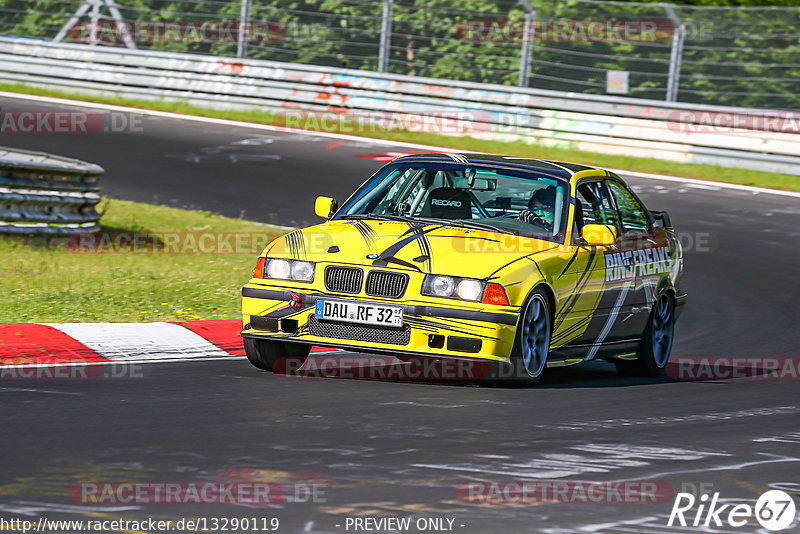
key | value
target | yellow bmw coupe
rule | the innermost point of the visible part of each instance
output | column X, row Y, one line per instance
column 524, row 263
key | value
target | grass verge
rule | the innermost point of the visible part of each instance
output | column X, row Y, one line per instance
column 702, row 172
column 196, row 278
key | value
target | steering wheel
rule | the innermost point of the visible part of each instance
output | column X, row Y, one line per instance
column 530, row 217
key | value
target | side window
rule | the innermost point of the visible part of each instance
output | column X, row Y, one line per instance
column 596, row 204
column 633, row 214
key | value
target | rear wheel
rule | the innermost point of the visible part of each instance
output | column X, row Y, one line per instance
column 532, row 343
column 263, row 353
column 656, row 343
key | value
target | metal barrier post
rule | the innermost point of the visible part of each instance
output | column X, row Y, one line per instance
column 527, row 41
column 244, row 21
column 386, row 36
column 676, row 53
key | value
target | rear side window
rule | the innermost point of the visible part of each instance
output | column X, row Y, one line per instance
column 634, row 217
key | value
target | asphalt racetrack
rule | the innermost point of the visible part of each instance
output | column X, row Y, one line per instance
column 402, row 449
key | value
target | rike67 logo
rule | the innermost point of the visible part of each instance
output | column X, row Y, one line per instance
column 774, row 510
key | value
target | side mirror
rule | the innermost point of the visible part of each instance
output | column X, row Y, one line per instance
column 662, row 219
column 599, row 234
column 325, row 207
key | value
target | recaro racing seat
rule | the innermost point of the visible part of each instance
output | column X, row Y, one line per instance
column 448, row 203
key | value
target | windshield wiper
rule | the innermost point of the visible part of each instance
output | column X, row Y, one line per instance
column 392, row 217
column 376, row 216
column 448, row 222
column 360, row 216
column 482, row 226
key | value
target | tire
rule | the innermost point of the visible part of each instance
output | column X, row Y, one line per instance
column 263, row 353
column 532, row 342
column 656, row 343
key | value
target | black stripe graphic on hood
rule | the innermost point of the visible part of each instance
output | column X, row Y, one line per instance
column 424, row 245
column 418, row 233
column 366, row 231
column 296, row 244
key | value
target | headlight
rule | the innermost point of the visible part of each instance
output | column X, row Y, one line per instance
column 453, row 287
column 469, row 289
column 442, row 286
column 279, row 269
column 302, row 271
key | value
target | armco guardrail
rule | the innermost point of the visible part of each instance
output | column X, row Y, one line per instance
column 46, row 194
column 730, row 137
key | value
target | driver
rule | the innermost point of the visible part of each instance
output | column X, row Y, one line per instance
column 541, row 208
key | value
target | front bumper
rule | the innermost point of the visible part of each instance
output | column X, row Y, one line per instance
column 430, row 329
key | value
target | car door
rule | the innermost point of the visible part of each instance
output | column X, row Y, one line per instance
column 585, row 298
column 650, row 246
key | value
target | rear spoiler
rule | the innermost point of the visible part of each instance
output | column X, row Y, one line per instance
column 662, row 219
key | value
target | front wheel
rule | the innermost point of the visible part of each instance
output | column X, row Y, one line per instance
column 264, row 353
column 532, row 343
column 656, row 343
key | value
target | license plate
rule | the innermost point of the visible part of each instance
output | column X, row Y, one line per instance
column 359, row 312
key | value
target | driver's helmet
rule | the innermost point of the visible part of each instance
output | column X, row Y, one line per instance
column 543, row 202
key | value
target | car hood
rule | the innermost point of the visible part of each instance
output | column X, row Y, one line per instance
column 430, row 248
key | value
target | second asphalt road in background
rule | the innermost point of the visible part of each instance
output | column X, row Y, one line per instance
column 400, row 448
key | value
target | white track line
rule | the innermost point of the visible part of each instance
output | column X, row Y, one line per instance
column 141, row 341
column 271, row 128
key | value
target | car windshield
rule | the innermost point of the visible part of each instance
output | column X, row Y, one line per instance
column 496, row 199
